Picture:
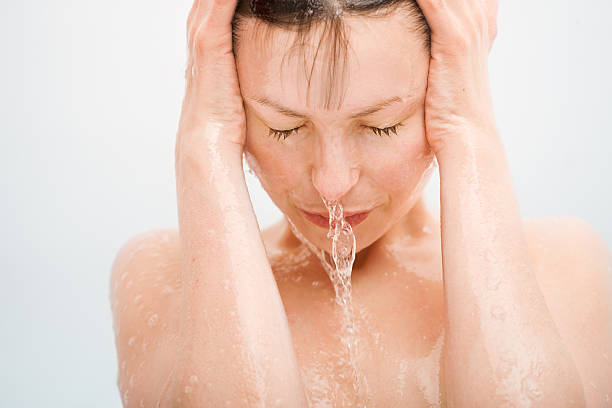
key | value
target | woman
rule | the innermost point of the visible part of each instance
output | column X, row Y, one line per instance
column 349, row 103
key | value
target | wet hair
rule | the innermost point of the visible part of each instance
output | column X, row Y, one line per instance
column 303, row 16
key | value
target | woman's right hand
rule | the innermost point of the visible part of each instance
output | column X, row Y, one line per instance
column 212, row 109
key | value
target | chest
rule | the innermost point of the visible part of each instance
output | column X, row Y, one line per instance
column 399, row 333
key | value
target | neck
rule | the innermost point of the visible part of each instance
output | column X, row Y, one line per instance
column 412, row 228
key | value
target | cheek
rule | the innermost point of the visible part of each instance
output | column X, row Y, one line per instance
column 269, row 162
column 276, row 170
column 400, row 169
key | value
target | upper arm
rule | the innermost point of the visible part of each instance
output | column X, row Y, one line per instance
column 144, row 295
column 573, row 265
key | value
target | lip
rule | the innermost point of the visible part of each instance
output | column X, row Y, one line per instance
column 353, row 219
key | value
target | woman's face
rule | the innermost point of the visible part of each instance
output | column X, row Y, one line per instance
column 334, row 153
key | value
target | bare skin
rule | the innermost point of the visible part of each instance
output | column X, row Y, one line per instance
column 252, row 321
column 400, row 336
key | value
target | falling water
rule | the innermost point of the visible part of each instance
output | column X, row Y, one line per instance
column 343, row 256
column 339, row 269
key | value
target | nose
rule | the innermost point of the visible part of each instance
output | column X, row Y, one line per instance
column 333, row 173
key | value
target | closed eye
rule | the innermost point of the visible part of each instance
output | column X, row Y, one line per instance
column 384, row 131
column 278, row 134
column 284, row 134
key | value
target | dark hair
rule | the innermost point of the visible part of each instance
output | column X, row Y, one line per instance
column 301, row 16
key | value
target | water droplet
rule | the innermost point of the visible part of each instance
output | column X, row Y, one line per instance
column 498, row 313
column 167, row 289
column 137, row 298
column 142, row 403
column 507, row 363
column 144, row 347
column 193, row 379
column 188, row 389
column 153, row 320
column 131, row 341
column 129, row 284
column 123, row 366
column 131, row 382
column 530, row 387
column 316, row 284
column 493, row 281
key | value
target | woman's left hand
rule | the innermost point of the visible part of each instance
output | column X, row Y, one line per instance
column 458, row 103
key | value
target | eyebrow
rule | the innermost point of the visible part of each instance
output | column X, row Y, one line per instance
column 365, row 112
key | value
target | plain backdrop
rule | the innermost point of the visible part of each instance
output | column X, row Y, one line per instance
column 90, row 95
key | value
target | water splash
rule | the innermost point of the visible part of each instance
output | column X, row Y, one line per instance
column 343, row 251
column 339, row 272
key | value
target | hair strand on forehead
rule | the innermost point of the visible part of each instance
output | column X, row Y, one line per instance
column 307, row 17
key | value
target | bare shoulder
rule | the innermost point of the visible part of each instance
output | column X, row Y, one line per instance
column 146, row 265
column 564, row 232
column 573, row 266
column 145, row 286
column 566, row 248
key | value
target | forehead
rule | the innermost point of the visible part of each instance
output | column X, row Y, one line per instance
column 383, row 58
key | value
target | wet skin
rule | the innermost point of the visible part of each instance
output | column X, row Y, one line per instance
column 502, row 297
column 398, row 294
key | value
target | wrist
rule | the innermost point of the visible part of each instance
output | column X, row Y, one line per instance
column 468, row 143
column 208, row 143
column 205, row 156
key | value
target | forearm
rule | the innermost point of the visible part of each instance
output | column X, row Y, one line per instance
column 501, row 344
column 234, row 333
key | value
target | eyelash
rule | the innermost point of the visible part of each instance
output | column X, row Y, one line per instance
column 284, row 134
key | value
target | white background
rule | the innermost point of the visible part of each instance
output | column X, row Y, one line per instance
column 90, row 93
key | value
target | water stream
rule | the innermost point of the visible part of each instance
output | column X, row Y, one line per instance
column 339, row 266
column 339, row 270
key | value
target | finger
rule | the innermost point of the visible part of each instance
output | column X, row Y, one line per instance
column 215, row 13
column 492, row 8
column 444, row 17
column 433, row 10
column 490, row 11
column 212, row 23
column 192, row 13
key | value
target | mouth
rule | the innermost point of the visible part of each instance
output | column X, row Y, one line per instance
column 321, row 221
